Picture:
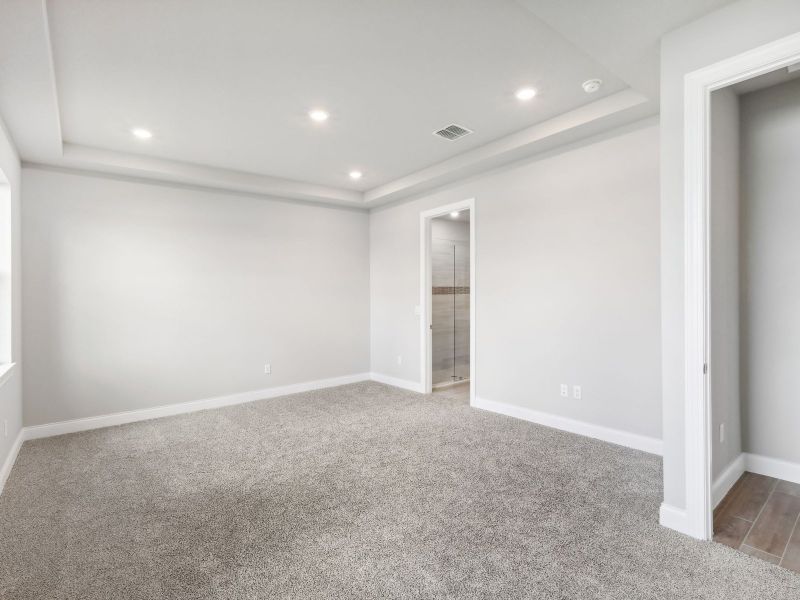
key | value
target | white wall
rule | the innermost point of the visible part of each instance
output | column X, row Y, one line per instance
column 724, row 279
column 771, row 271
column 567, row 282
column 139, row 295
column 729, row 31
column 11, row 390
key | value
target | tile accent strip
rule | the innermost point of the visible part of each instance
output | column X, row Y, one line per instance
column 449, row 291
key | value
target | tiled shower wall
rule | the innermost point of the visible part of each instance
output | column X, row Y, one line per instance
column 451, row 297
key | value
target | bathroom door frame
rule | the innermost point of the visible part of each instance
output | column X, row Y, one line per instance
column 697, row 519
column 426, row 296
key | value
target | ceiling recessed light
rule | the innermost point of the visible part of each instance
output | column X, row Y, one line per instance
column 355, row 174
column 592, row 85
column 142, row 134
column 318, row 115
column 454, row 214
column 525, row 93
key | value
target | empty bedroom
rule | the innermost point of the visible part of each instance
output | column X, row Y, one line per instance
column 398, row 299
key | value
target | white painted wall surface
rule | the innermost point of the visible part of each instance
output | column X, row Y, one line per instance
column 11, row 389
column 139, row 295
column 771, row 271
column 724, row 280
column 567, row 282
column 729, row 31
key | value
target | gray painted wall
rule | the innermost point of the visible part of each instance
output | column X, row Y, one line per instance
column 729, row 31
column 567, row 282
column 11, row 390
column 724, row 279
column 771, row 271
column 139, row 295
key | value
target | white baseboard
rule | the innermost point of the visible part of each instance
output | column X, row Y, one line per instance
column 8, row 463
column 772, row 467
column 723, row 484
column 673, row 518
column 414, row 386
column 599, row 432
column 753, row 463
column 120, row 418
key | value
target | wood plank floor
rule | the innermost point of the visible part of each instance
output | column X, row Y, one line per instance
column 760, row 516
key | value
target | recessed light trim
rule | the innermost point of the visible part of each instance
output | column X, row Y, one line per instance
column 356, row 174
column 455, row 214
column 525, row 93
column 318, row 115
column 141, row 133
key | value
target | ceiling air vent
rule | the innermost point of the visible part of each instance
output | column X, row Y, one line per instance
column 453, row 132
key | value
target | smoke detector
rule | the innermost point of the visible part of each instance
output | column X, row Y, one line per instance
column 453, row 132
column 592, row 85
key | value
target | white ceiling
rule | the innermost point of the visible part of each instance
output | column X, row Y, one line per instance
column 226, row 86
column 232, row 88
column 623, row 35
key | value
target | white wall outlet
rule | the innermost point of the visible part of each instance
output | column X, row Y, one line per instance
column 564, row 390
column 576, row 392
column 722, row 433
column 417, row 310
column 267, row 369
column 399, row 359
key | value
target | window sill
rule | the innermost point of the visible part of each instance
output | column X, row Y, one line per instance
column 5, row 372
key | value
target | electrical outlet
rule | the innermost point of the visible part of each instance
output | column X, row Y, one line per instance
column 576, row 392
column 722, row 433
column 564, row 390
column 399, row 359
column 267, row 369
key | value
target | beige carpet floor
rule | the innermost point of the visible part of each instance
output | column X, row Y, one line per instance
column 360, row 491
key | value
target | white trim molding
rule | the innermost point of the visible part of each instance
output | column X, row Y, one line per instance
column 50, row 429
column 674, row 518
column 723, row 484
column 598, row 432
column 698, row 87
column 752, row 463
column 6, row 370
column 413, row 386
column 425, row 301
column 772, row 467
column 8, row 463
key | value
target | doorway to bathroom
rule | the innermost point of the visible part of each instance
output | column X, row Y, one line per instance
column 448, row 303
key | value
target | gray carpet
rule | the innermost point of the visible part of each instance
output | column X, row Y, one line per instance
column 361, row 491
